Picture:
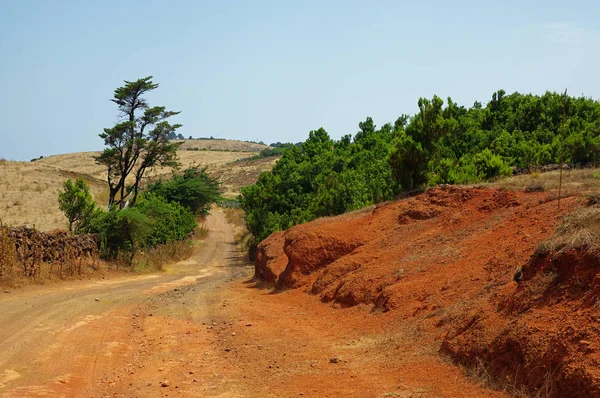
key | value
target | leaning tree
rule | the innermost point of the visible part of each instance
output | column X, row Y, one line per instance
column 137, row 143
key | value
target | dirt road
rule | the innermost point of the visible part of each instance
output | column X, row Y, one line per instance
column 203, row 329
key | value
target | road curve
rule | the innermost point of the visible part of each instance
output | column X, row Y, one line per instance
column 64, row 339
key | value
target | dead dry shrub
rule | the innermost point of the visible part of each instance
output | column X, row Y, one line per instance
column 154, row 259
column 201, row 231
column 534, row 186
column 593, row 199
column 8, row 255
column 577, row 230
column 237, row 217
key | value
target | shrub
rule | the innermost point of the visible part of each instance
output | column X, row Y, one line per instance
column 120, row 231
column 194, row 189
column 168, row 221
column 151, row 222
column 490, row 165
column 408, row 160
column 77, row 203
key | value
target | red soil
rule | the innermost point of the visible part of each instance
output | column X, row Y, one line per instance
column 444, row 262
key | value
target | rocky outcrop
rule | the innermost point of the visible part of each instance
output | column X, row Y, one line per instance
column 270, row 258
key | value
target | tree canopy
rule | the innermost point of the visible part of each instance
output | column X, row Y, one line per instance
column 441, row 143
column 137, row 143
column 193, row 188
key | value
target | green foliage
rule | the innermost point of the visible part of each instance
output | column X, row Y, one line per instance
column 440, row 144
column 137, row 143
column 76, row 203
column 413, row 151
column 169, row 221
column 120, row 230
column 229, row 203
column 194, row 189
column 320, row 178
column 490, row 166
column 163, row 214
column 152, row 221
column 408, row 160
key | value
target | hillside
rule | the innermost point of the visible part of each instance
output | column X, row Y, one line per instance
column 30, row 189
column 460, row 266
column 83, row 162
column 222, row 145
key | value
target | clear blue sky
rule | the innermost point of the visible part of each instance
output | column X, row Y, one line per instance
column 273, row 71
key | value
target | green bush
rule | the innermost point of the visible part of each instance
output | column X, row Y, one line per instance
column 120, row 231
column 490, row 166
column 168, row 221
column 152, row 221
column 322, row 177
column 193, row 188
column 76, row 203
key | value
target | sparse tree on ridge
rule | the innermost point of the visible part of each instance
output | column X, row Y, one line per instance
column 137, row 143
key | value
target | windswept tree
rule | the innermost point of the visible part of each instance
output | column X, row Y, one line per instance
column 137, row 143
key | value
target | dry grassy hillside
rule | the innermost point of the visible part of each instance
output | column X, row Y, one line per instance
column 28, row 193
column 222, row 145
column 241, row 173
column 83, row 162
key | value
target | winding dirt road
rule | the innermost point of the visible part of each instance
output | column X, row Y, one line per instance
column 204, row 329
column 79, row 339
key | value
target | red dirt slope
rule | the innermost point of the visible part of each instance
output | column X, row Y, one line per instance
column 445, row 260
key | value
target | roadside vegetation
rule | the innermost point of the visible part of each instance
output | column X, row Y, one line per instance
column 440, row 144
column 166, row 211
column 579, row 230
column 236, row 216
column 142, row 225
column 164, row 216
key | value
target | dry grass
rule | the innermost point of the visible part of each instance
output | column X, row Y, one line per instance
column 30, row 189
column 237, row 217
column 83, row 162
column 154, row 259
column 222, row 145
column 234, row 176
column 29, row 194
column 575, row 182
column 201, row 232
column 577, row 230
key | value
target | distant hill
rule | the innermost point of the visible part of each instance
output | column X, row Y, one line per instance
column 30, row 189
column 222, row 145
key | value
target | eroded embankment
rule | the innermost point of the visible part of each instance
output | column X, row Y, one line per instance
column 447, row 259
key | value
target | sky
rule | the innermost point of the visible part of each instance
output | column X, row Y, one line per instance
column 274, row 70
